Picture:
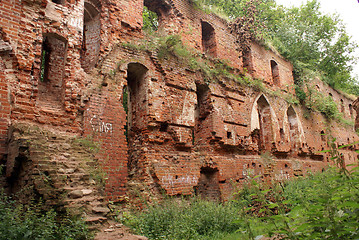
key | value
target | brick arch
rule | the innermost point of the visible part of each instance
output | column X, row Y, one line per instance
column 295, row 129
column 209, row 42
column 92, row 8
column 262, row 119
column 275, row 73
column 160, row 7
column 53, row 61
column 91, row 38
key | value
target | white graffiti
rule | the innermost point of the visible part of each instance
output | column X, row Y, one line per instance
column 76, row 23
column 169, row 181
column 281, row 176
column 99, row 126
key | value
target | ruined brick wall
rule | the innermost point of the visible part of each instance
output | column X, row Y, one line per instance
column 4, row 107
column 261, row 67
column 180, row 17
column 159, row 124
column 193, row 134
column 57, row 168
column 104, row 121
column 50, row 53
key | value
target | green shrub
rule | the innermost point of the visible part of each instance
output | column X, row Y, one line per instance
column 300, row 93
column 193, row 219
column 324, row 205
column 20, row 222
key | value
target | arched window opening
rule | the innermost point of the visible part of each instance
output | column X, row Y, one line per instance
column 351, row 111
column 136, row 98
column 53, row 55
column 342, row 109
column 91, row 39
column 266, row 137
column 275, row 73
column 150, row 20
column 209, row 44
column 154, row 12
column 203, row 101
column 202, row 111
column 293, row 128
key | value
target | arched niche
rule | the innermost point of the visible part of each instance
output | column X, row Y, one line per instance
column 136, row 101
column 161, row 9
column 296, row 133
column 293, row 128
column 351, row 111
column 209, row 43
column 53, row 59
column 275, row 72
column 262, row 119
column 91, row 39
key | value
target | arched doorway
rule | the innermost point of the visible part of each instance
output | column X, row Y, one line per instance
column 293, row 128
column 266, row 137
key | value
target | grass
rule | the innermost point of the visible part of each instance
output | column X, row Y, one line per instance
column 185, row 219
column 318, row 206
column 32, row 222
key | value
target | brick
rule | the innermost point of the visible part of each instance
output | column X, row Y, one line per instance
column 185, row 132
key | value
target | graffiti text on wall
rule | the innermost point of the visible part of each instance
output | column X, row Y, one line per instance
column 169, row 181
column 99, row 126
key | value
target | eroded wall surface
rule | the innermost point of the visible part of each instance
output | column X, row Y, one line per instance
column 159, row 125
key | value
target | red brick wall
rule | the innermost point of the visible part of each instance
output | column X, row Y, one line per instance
column 10, row 12
column 4, row 108
column 104, row 121
column 170, row 142
column 51, row 86
column 261, row 67
column 91, row 53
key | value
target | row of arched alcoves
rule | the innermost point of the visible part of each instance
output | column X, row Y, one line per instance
column 264, row 120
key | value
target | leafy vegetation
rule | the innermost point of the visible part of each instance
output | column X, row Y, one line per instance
column 324, row 205
column 21, row 222
column 304, row 35
column 193, row 219
column 150, row 20
column 316, row 44
column 171, row 46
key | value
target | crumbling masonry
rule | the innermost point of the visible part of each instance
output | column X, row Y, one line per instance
column 68, row 80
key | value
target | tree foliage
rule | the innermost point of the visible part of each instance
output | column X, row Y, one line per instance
column 150, row 20
column 315, row 41
column 304, row 35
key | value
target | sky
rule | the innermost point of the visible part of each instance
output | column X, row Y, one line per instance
column 348, row 11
